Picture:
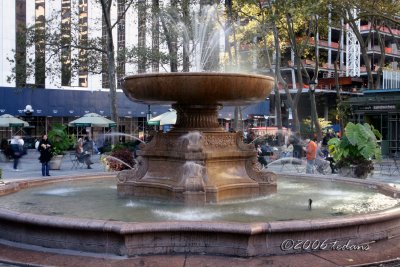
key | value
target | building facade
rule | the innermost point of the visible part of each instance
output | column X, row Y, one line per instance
column 69, row 86
column 60, row 84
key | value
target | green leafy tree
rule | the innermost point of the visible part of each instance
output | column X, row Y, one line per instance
column 307, row 130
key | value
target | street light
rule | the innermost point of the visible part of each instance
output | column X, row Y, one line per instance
column 28, row 110
column 312, row 85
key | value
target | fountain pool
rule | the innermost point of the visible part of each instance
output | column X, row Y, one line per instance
column 53, row 215
column 80, row 200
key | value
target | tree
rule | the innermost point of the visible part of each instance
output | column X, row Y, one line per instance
column 169, row 18
column 58, row 45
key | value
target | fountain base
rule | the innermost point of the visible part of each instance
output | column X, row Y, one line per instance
column 194, row 169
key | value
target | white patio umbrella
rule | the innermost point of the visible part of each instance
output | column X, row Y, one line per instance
column 167, row 118
column 9, row 121
column 92, row 120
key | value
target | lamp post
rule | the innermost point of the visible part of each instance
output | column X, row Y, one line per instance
column 28, row 116
column 147, row 128
column 28, row 110
column 312, row 85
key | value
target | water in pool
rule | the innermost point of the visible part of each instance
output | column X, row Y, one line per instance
column 98, row 199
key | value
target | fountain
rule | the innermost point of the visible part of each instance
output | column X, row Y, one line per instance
column 223, row 167
column 193, row 166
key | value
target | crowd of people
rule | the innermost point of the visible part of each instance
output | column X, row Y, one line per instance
column 15, row 149
column 315, row 153
column 268, row 149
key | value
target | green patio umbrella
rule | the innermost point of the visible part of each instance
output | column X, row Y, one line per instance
column 9, row 121
column 92, row 120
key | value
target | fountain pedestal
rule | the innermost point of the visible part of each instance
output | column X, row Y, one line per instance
column 197, row 162
column 218, row 167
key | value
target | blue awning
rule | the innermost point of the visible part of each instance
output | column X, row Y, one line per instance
column 76, row 103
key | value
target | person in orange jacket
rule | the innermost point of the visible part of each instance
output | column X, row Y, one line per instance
column 311, row 153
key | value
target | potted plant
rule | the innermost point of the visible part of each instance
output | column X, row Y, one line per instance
column 60, row 142
column 353, row 153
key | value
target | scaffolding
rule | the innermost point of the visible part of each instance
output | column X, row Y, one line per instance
column 352, row 50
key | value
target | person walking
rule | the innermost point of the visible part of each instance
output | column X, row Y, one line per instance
column 45, row 154
column 17, row 148
column 311, row 153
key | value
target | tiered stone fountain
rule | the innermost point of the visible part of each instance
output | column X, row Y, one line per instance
column 197, row 162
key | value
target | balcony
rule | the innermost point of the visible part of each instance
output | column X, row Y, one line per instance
column 387, row 30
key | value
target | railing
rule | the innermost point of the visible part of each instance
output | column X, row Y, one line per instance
column 381, row 29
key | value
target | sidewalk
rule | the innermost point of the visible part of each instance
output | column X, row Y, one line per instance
column 377, row 176
column 29, row 167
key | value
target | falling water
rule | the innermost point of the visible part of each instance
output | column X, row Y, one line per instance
column 111, row 158
column 194, row 140
column 292, row 160
column 201, row 39
column 194, row 170
column 125, row 134
column 206, row 37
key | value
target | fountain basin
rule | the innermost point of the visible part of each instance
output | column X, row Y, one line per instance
column 196, row 237
column 200, row 88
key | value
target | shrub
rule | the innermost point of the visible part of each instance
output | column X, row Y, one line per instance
column 358, row 146
column 60, row 139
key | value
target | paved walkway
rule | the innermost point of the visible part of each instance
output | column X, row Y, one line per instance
column 386, row 252
column 378, row 175
column 30, row 167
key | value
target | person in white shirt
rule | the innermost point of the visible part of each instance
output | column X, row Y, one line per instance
column 17, row 147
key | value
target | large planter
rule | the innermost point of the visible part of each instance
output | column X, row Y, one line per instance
column 349, row 171
column 55, row 162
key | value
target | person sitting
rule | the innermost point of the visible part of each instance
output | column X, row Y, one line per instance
column 287, row 151
column 261, row 157
column 88, row 145
column 82, row 155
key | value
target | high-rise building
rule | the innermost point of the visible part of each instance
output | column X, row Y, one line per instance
column 66, row 81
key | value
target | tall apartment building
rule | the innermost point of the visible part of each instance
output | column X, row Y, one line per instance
column 379, row 107
column 60, row 90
